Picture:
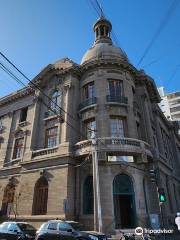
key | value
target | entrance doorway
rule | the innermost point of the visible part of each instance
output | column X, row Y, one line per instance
column 124, row 202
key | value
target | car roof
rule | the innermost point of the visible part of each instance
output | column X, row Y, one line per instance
column 72, row 222
column 16, row 222
column 57, row 220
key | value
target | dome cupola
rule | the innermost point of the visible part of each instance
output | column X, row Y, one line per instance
column 102, row 29
column 103, row 47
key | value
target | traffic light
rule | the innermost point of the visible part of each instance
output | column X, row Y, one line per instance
column 162, row 196
column 152, row 174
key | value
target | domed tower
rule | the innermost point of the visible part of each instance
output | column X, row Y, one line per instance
column 103, row 47
column 106, row 110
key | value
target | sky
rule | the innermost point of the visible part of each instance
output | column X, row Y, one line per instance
column 35, row 33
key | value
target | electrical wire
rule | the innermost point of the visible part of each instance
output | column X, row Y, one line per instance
column 162, row 25
column 35, row 86
column 95, row 8
column 100, row 13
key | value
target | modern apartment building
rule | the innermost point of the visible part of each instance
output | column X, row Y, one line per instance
column 46, row 143
column 170, row 105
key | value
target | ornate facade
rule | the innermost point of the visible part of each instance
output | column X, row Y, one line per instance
column 46, row 146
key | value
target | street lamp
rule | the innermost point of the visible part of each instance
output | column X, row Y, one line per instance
column 96, row 188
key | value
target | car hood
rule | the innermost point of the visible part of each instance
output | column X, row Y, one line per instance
column 93, row 233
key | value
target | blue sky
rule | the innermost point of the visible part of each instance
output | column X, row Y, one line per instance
column 35, row 33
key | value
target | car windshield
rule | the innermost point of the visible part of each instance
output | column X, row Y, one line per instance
column 4, row 226
column 43, row 226
column 77, row 226
column 26, row 227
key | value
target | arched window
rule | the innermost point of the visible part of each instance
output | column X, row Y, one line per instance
column 8, row 199
column 55, row 102
column 40, row 197
column 88, row 198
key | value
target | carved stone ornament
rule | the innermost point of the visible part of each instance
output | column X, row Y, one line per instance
column 67, row 86
column 19, row 133
column 13, row 181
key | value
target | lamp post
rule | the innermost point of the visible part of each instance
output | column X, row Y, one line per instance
column 96, row 188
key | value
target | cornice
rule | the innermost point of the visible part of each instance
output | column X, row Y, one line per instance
column 143, row 79
column 16, row 95
column 108, row 62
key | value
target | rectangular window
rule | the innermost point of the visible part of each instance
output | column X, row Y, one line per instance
column 23, row 115
column 18, row 148
column 117, row 127
column 115, row 88
column 89, row 90
column 90, row 129
column 114, row 158
column 51, row 137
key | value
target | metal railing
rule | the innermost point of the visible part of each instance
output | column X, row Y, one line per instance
column 117, row 99
column 87, row 102
column 51, row 113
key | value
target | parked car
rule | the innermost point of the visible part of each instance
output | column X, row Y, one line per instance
column 84, row 234
column 66, row 230
column 56, row 230
column 17, row 231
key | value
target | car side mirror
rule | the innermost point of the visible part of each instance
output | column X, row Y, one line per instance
column 69, row 230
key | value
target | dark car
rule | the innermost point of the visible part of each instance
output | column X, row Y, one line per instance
column 17, row 231
column 56, row 230
column 66, row 230
column 83, row 234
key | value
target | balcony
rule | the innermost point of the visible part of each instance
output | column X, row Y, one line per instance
column 88, row 102
column 49, row 114
column 121, row 145
column 52, row 114
column 44, row 152
column 117, row 99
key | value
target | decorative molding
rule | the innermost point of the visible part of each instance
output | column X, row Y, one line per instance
column 16, row 95
column 19, row 132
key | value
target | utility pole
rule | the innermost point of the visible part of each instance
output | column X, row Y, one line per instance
column 96, row 188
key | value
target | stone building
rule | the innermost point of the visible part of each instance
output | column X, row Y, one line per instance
column 46, row 150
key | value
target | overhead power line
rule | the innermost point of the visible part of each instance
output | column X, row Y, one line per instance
column 34, row 85
column 100, row 13
column 162, row 25
column 95, row 8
